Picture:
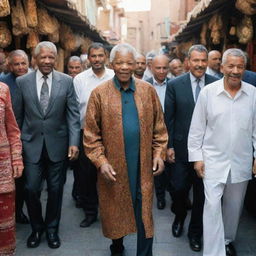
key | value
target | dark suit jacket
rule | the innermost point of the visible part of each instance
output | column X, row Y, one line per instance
column 59, row 128
column 10, row 80
column 179, row 106
column 249, row 77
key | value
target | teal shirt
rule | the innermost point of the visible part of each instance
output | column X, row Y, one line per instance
column 131, row 132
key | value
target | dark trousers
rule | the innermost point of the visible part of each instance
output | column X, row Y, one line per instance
column 19, row 194
column 55, row 174
column 182, row 177
column 86, row 182
column 160, row 186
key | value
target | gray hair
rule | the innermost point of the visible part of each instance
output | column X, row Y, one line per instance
column 233, row 52
column 150, row 56
column 198, row 48
column 15, row 53
column 75, row 58
column 122, row 48
column 45, row 44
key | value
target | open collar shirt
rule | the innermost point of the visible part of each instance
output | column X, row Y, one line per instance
column 223, row 132
column 84, row 83
column 160, row 90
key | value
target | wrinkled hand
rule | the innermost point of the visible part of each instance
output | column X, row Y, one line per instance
column 73, row 153
column 254, row 167
column 108, row 172
column 17, row 171
column 199, row 168
column 170, row 155
column 158, row 166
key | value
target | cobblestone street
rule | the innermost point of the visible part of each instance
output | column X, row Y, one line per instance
column 78, row 241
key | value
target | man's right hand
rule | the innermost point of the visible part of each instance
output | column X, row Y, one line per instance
column 108, row 172
column 199, row 168
column 170, row 155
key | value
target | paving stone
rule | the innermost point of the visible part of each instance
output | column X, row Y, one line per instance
column 78, row 241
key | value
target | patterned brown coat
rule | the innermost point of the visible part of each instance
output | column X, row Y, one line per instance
column 104, row 143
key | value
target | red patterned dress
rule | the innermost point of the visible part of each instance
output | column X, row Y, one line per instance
column 10, row 155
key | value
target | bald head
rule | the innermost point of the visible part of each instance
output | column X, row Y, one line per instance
column 160, row 68
column 214, row 60
column 176, row 67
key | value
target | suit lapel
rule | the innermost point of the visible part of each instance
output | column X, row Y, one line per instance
column 33, row 91
column 54, row 90
column 188, row 89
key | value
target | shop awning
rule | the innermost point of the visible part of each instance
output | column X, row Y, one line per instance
column 202, row 12
column 66, row 12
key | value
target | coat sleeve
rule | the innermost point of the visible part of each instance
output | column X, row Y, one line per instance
column 13, row 132
column 160, row 136
column 92, row 139
column 73, row 116
column 169, row 114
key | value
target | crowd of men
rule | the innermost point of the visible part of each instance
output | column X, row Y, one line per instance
column 144, row 122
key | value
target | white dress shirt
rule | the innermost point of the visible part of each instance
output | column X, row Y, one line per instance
column 84, row 83
column 223, row 132
column 40, row 80
column 160, row 90
column 193, row 80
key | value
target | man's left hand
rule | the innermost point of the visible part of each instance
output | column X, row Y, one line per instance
column 73, row 153
column 254, row 167
column 158, row 166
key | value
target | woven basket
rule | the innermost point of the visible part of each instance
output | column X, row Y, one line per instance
column 5, row 35
column 19, row 22
column 31, row 13
column 4, row 8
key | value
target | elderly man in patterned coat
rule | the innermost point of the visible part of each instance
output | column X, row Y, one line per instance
column 126, row 138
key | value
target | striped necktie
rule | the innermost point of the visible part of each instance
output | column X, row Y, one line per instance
column 44, row 95
column 198, row 88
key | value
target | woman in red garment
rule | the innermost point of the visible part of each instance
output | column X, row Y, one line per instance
column 11, row 167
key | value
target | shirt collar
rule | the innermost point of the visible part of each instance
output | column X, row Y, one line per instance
column 119, row 87
column 158, row 84
column 193, row 79
column 221, row 88
column 91, row 73
column 40, row 75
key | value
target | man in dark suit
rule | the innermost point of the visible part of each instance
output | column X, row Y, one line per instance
column 159, row 80
column 50, row 135
column 18, row 66
column 181, row 95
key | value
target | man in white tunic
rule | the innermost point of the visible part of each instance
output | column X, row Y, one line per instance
column 221, row 142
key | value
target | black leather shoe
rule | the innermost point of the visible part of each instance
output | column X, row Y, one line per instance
column 116, row 251
column 177, row 227
column 21, row 218
column 195, row 244
column 53, row 240
column 88, row 221
column 34, row 239
column 230, row 250
column 160, row 204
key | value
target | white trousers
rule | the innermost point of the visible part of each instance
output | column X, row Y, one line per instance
column 222, row 210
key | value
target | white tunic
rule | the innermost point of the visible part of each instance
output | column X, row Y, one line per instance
column 223, row 132
column 84, row 83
